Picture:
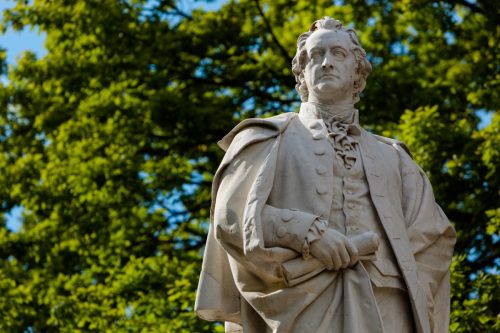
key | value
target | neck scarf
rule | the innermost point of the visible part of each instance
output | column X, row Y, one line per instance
column 343, row 130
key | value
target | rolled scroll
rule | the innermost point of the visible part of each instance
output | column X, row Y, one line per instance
column 298, row 270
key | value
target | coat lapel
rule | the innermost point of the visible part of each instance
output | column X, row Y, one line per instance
column 373, row 158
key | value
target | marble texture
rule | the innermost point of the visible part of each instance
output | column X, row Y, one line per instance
column 318, row 225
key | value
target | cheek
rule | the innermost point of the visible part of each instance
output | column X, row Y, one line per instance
column 348, row 71
column 309, row 71
column 315, row 69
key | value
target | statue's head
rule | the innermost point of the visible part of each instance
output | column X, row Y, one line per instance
column 330, row 65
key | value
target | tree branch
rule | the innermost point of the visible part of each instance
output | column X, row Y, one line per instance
column 175, row 10
column 269, row 28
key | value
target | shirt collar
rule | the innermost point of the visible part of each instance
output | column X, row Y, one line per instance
column 345, row 113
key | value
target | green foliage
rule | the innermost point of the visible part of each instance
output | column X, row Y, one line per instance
column 473, row 307
column 108, row 144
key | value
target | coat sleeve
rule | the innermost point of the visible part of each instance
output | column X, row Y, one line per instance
column 432, row 239
column 248, row 229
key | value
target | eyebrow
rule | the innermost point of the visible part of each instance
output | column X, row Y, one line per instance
column 340, row 48
column 337, row 47
column 316, row 48
column 323, row 48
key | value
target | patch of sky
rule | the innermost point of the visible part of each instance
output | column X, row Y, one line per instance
column 17, row 42
column 174, row 210
column 484, row 118
column 246, row 106
column 43, row 138
column 494, row 270
column 457, row 17
column 7, row 131
column 222, row 92
column 473, row 255
column 182, row 8
column 399, row 48
column 201, row 70
column 31, row 39
column 449, row 37
column 265, row 8
column 14, row 218
column 144, row 176
column 375, row 61
column 371, row 21
column 412, row 31
column 129, row 310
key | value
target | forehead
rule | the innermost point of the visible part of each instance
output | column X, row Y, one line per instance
column 324, row 38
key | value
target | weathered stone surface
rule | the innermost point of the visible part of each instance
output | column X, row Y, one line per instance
column 318, row 225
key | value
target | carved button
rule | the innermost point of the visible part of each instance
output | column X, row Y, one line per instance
column 352, row 228
column 318, row 136
column 315, row 125
column 351, row 205
column 321, row 190
column 286, row 216
column 319, row 151
column 321, row 170
column 350, row 192
column 281, row 232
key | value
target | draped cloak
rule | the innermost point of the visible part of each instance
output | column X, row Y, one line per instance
column 243, row 279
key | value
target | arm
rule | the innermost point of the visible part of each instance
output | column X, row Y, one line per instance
column 256, row 235
column 261, row 237
column 432, row 239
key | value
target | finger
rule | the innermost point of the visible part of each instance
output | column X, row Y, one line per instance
column 353, row 253
column 327, row 260
column 344, row 256
column 318, row 251
column 337, row 263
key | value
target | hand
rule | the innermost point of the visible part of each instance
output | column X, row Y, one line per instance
column 334, row 250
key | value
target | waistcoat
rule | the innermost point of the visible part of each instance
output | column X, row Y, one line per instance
column 352, row 212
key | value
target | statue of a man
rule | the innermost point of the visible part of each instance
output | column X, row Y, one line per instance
column 318, row 225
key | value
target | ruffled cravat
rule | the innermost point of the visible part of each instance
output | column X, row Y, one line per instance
column 343, row 131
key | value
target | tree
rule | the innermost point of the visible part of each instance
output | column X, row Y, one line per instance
column 109, row 144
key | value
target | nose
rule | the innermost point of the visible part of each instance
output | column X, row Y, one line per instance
column 327, row 61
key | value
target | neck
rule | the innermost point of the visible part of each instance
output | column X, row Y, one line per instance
column 334, row 109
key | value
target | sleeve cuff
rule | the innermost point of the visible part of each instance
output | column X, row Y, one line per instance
column 315, row 233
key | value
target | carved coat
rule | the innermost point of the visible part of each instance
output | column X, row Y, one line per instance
column 289, row 158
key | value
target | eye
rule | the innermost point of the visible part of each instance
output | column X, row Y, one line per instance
column 338, row 53
column 317, row 55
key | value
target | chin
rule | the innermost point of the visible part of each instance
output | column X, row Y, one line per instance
column 326, row 88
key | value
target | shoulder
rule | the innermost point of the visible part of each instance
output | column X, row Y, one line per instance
column 255, row 130
column 397, row 145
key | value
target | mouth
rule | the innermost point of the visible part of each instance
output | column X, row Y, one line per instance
column 329, row 76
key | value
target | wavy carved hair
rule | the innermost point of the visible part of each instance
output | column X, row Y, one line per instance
column 299, row 62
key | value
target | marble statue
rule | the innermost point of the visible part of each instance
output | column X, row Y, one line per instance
column 318, row 225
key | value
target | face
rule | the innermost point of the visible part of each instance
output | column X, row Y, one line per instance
column 329, row 73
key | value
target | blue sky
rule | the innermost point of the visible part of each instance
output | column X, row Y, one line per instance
column 17, row 42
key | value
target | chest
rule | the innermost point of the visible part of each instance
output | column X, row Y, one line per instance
column 307, row 168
